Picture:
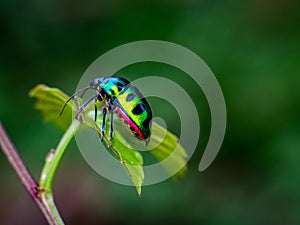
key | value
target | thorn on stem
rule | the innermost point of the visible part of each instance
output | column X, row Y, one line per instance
column 50, row 155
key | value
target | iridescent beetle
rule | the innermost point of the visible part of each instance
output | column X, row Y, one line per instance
column 121, row 98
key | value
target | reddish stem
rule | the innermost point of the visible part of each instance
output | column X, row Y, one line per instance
column 27, row 180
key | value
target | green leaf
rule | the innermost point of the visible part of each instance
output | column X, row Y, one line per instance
column 131, row 159
column 50, row 102
column 163, row 145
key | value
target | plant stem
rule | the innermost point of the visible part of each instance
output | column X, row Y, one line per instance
column 14, row 159
column 54, row 157
column 41, row 193
column 50, row 167
column 27, row 180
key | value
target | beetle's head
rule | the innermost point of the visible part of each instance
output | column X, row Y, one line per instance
column 95, row 83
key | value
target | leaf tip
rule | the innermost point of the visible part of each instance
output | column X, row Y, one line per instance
column 139, row 190
column 34, row 90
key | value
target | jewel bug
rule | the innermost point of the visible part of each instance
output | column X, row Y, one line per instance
column 121, row 98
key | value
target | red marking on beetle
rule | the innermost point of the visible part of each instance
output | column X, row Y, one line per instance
column 130, row 123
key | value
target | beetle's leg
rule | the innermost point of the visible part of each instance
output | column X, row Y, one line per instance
column 95, row 103
column 84, row 105
column 76, row 102
column 104, row 111
column 80, row 117
column 111, row 125
column 112, row 107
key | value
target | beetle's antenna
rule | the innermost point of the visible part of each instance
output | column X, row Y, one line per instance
column 84, row 105
column 83, row 90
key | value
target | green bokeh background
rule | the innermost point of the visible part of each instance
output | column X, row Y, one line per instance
column 252, row 47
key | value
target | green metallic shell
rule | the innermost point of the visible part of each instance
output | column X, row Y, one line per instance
column 113, row 86
column 134, row 107
column 133, row 103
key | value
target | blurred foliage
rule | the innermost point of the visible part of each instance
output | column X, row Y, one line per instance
column 252, row 47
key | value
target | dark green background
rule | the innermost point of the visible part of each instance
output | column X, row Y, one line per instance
column 251, row 46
